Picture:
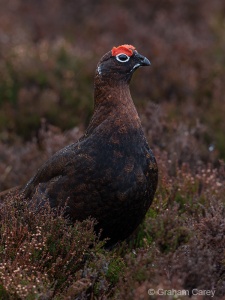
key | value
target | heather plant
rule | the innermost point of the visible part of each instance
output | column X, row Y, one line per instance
column 38, row 84
column 180, row 244
column 184, row 239
column 43, row 256
column 25, row 159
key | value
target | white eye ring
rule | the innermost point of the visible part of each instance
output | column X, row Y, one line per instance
column 122, row 57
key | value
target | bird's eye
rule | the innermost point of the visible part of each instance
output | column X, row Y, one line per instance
column 122, row 57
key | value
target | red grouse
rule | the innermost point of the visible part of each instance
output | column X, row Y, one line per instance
column 110, row 173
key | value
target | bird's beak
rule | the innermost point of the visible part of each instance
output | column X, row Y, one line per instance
column 145, row 62
column 142, row 60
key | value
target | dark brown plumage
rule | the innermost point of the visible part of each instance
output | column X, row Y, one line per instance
column 110, row 173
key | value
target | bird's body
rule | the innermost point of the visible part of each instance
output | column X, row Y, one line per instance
column 110, row 173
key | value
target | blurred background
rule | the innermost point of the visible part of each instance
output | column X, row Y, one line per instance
column 48, row 54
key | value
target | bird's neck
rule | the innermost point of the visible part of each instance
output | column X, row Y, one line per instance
column 112, row 97
column 114, row 105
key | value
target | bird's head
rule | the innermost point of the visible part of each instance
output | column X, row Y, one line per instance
column 119, row 64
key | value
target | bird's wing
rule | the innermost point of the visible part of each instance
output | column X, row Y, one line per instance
column 52, row 168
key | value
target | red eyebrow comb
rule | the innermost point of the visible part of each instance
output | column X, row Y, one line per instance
column 126, row 49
